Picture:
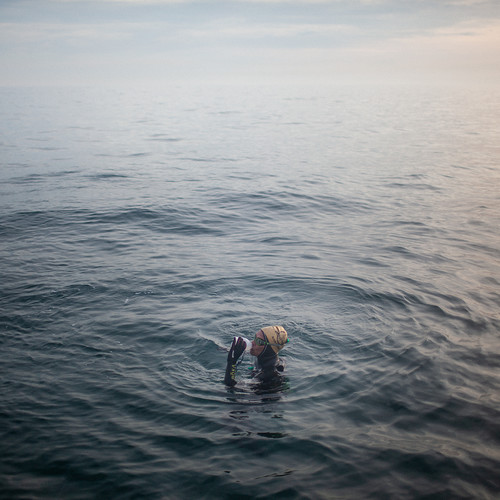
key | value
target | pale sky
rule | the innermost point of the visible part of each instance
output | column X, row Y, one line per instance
column 133, row 42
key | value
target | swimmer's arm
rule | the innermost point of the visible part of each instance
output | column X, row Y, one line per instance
column 237, row 349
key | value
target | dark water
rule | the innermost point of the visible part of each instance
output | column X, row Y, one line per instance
column 141, row 230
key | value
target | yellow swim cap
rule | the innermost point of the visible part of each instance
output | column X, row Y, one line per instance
column 276, row 336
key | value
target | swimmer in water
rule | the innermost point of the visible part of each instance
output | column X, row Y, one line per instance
column 265, row 347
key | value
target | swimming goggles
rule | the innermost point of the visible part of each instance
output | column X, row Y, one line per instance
column 260, row 341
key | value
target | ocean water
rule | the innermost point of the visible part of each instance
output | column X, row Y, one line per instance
column 141, row 230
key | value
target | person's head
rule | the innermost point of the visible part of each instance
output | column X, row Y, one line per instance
column 269, row 341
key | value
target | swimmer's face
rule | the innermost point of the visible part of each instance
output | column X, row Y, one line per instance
column 256, row 350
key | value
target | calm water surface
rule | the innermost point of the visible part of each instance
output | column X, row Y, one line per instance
column 141, row 230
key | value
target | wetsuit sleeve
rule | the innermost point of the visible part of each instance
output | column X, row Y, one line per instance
column 237, row 349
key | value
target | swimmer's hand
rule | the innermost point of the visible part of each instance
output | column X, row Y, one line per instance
column 237, row 349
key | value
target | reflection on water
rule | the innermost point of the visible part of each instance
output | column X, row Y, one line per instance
column 260, row 409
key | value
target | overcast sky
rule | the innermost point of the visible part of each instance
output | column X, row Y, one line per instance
column 160, row 41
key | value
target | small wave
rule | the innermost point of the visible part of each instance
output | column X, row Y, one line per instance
column 164, row 138
column 138, row 155
column 107, row 176
column 414, row 186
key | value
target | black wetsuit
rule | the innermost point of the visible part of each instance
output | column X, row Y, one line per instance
column 268, row 365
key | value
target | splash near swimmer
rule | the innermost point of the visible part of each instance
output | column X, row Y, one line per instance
column 265, row 347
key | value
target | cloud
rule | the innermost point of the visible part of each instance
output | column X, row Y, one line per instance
column 178, row 39
column 47, row 33
column 273, row 30
column 467, row 2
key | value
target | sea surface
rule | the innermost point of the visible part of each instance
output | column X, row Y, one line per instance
column 141, row 229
